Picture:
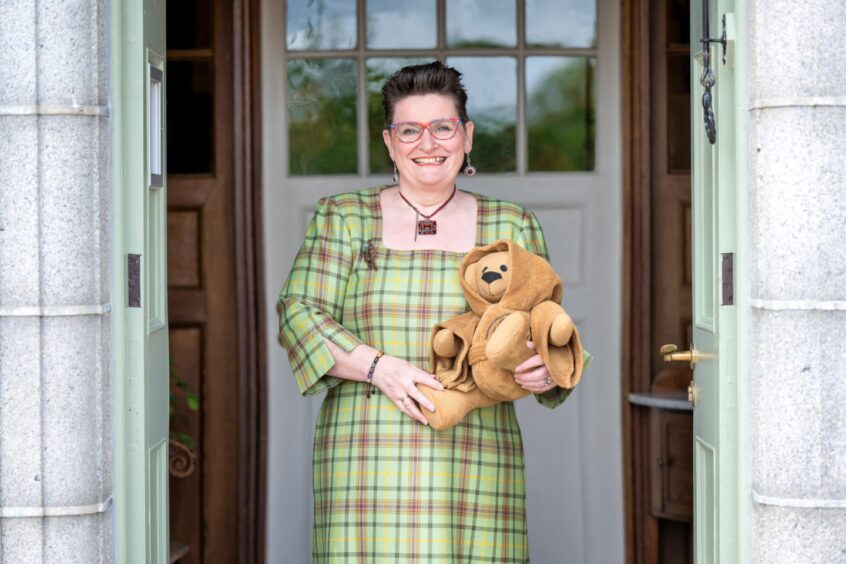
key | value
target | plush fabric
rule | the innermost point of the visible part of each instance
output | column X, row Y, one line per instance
column 514, row 296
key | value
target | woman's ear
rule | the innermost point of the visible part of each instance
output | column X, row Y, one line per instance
column 469, row 127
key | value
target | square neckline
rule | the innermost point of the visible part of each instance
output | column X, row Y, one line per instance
column 377, row 228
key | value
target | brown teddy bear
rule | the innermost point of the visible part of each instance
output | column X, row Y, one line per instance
column 514, row 296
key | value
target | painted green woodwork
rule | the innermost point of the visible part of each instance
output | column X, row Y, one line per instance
column 718, row 227
column 140, row 348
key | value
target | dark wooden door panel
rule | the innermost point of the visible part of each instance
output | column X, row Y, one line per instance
column 202, row 293
column 658, row 446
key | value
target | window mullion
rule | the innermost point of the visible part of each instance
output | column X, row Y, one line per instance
column 361, row 99
column 441, row 18
column 522, row 144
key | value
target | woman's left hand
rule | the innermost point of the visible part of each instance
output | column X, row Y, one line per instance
column 532, row 374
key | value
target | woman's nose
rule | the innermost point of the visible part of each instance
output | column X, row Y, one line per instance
column 427, row 141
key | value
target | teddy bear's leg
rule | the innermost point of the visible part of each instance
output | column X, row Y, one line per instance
column 446, row 343
column 506, row 346
column 556, row 338
column 451, row 405
column 561, row 330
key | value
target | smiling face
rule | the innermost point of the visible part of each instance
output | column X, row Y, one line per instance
column 428, row 164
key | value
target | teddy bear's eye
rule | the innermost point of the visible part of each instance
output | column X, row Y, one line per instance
column 503, row 268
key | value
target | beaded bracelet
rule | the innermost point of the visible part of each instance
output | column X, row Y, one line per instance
column 370, row 372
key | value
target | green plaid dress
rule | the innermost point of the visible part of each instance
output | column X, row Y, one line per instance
column 386, row 488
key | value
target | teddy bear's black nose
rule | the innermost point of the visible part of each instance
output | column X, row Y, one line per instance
column 490, row 276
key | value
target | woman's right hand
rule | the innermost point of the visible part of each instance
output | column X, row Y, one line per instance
column 398, row 380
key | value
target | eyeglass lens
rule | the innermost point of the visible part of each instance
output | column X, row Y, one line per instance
column 441, row 130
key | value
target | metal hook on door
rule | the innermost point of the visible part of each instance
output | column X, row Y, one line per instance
column 707, row 79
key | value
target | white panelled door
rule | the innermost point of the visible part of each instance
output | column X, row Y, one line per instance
column 544, row 94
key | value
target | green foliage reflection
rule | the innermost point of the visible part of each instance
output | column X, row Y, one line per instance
column 322, row 116
column 561, row 118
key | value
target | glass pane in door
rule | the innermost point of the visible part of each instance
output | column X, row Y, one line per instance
column 322, row 116
column 321, row 24
column 481, row 23
column 401, row 24
column 491, row 84
column 190, row 117
column 561, row 23
column 560, row 108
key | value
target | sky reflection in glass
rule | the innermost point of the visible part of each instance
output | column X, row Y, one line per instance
column 321, row 24
column 561, row 23
column 481, row 23
column 491, row 84
column 401, row 24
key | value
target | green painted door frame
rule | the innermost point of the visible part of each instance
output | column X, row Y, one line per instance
column 139, row 290
column 720, row 291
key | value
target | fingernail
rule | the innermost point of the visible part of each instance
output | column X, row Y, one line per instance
column 431, row 408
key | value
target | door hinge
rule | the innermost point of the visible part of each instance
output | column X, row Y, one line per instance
column 134, row 280
column 728, row 279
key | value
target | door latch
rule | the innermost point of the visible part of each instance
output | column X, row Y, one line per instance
column 708, row 79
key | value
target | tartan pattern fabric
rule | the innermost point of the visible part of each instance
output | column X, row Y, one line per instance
column 387, row 489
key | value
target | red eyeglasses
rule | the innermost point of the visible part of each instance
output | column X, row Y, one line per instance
column 442, row 129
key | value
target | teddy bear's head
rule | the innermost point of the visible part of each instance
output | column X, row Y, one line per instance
column 506, row 274
column 490, row 275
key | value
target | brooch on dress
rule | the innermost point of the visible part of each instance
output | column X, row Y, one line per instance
column 367, row 254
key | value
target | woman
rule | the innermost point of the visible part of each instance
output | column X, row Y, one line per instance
column 377, row 270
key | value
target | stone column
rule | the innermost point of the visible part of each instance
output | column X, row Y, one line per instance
column 55, row 398
column 797, row 183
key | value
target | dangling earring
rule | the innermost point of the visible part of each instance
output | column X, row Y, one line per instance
column 469, row 170
column 396, row 174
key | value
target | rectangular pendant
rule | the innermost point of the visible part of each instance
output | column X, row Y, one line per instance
column 427, row 227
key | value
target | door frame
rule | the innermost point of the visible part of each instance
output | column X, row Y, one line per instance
column 636, row 338
column 249, row 277
column 635, row 369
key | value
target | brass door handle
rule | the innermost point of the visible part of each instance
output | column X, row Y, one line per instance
column 671, row 353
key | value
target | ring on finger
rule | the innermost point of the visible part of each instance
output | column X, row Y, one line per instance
column 547, row 381
column 402, row 399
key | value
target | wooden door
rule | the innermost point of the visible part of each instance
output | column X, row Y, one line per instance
column 658, row 417
column 669, row 466
column 202, row 293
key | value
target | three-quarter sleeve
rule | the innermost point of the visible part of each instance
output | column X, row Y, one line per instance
column 312, row 300
column 531, row 239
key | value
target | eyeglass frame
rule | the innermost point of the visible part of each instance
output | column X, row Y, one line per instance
column 426, row 127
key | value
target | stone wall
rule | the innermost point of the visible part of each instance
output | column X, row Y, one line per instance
column 797, row 183
column 55, row 419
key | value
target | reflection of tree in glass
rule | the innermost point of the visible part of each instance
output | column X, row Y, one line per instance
column 494, row 148
column 312, row 25
column 322, row 117
column 561, row 119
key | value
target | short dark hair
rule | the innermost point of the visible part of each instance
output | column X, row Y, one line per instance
column 417, row 80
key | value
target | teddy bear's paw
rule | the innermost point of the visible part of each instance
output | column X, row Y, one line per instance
column 561, row 330
column 446, row 344
column 562, row 367
column 506, row 346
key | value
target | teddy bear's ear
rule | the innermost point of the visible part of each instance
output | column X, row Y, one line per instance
column 470, row 274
